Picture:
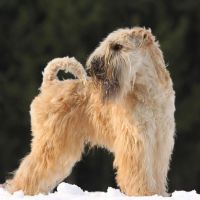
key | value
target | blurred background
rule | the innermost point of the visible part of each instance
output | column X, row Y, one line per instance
column 34, row 32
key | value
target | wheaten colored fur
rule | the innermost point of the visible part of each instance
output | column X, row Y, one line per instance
column 68, row 65
column 127, row 106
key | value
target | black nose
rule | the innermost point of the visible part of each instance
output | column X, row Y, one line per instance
column 97, row 68
column 88, row 71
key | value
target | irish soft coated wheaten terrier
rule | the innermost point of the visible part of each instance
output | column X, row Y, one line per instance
column 126, row 106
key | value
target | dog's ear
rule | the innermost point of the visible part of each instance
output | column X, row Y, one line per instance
column 159, row 63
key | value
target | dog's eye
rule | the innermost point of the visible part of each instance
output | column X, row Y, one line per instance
column 116, row 47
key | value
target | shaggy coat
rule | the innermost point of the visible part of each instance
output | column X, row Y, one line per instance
column 126, row 106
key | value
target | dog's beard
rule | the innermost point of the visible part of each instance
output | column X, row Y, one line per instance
column 110, row 85
column 106, row 76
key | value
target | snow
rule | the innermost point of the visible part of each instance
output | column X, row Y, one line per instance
column 67, row 191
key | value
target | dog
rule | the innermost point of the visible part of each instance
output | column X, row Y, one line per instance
column 125, row 104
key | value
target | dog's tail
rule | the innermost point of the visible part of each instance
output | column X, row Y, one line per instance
column 68, row 65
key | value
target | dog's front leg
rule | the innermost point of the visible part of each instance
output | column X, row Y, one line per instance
column 134, row 166
column 48, row 163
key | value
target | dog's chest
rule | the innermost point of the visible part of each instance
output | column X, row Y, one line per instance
column 153, row 114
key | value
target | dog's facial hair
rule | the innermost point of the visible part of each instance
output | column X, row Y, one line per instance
column 107, row 76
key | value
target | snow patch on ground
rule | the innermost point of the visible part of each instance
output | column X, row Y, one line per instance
column 67, row 191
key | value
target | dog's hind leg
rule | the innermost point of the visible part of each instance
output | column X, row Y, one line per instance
column 49, row 162
column 56, row 146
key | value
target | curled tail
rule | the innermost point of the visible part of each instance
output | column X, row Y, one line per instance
column 68, row 65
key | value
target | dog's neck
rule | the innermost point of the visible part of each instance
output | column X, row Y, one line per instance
column 152, row 82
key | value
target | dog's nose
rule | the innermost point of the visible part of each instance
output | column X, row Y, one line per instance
column 88, row 71
column 96, row 67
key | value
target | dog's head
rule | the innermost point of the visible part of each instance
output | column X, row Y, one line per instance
column 115, row 63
